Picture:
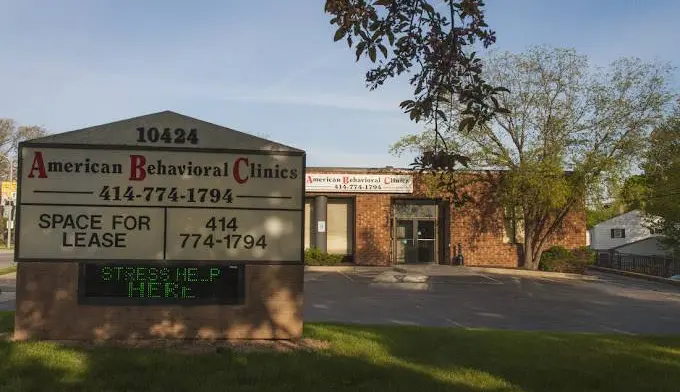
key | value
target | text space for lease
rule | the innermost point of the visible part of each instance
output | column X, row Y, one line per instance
column 110, row 233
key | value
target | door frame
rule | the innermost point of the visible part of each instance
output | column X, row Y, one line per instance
column 441, row 242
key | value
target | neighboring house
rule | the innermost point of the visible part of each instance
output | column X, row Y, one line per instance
column 626, row 233
column 650, row 246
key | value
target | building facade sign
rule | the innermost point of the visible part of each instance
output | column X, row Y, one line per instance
column 359, row 183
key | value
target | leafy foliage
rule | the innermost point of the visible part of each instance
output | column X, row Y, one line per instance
column 315, row 256
column 11, row 135
column 570, row 130
column 627, row 197
column 662, row 173
column 560, row 259
column 430, row 40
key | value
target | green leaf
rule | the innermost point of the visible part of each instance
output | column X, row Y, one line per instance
column 407, row 103
column 466, row 124
column 360, row 49
column 390, row 36
column 383, row 3
column 339, row 34
column 495, row 101
column 503, row 110
column 372, row 53
column 383, row 49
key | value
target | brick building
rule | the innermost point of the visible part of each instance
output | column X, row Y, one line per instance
column 388, row 216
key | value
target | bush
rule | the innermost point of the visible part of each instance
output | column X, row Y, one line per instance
column 314, row 256
column 561, row 259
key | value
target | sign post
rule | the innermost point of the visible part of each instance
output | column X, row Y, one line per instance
column 194, row 228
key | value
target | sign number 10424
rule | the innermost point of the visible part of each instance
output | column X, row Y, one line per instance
column 176, row 136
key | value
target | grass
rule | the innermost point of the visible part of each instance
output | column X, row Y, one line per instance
column 8, row 270
column 361, row 358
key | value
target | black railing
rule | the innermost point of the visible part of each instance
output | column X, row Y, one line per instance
column 649, row 265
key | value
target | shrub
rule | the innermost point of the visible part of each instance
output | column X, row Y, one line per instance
column 585, row 254
column 560, row 259
column 314, row 256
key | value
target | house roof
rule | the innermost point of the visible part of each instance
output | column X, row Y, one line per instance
column 621, row 218
column 125, row 133
column 652, row 237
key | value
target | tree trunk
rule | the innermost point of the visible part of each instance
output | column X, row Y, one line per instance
column 531, row 255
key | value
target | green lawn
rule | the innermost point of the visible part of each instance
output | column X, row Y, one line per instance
column 8, row 270
column 361, row 358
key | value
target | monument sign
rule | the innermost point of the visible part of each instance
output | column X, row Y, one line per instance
column 179, row 227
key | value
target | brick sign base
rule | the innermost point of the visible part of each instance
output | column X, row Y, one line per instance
column 48, row 309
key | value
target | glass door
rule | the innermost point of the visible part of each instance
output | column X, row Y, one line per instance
column 426, row 240
column 405, row 244
column 415, row 231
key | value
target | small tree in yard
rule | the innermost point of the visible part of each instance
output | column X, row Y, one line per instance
column 569, row 130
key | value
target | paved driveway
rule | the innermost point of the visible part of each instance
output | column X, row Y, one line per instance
column 611, row 304
column 6, row 258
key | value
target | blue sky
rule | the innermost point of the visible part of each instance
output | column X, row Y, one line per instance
column 268, row 67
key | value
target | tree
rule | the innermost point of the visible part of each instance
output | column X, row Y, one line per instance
column 432, row 41
column 662, row 173
column 569, row 131
column 11, row 135
column 627, row 197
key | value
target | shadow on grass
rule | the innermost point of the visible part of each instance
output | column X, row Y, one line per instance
column 534, row 361
column 31, row 367
column 361, row 358
column 354, row 362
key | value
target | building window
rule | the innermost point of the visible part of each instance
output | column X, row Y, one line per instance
column 513, row 226
column 618, row 233
column 340, row 226
column 309, row 229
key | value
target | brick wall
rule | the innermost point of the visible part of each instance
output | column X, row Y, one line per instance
column 477, row 226
column 372, row 232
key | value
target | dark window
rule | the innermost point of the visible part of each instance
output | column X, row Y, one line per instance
column 618, row 233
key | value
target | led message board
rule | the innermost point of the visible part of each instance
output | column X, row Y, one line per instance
column 154, row 284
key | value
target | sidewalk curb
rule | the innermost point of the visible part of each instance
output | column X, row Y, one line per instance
column 489, row 270
column 635, row 275
column 344, row 268
column 536, row 274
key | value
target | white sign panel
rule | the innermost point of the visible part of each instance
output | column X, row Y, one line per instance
column 359, row 183
column 237, row 235
column 120, row 204
column 160, row 178
column 75, row 232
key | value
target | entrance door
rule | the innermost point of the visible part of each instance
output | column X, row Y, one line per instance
column 426, row 239
column 415, row 241
column 415, row 238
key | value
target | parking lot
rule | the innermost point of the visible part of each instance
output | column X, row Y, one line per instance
column 474, row 300
column 468, row 299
